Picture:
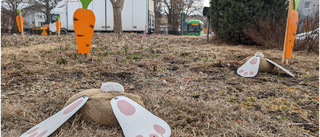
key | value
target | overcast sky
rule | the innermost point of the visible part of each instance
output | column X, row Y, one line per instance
column 206, row 3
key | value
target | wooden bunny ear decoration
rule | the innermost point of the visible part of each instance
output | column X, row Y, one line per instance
column 48, row 126
column 253, row 66
column 136, row 121
column 105, row 105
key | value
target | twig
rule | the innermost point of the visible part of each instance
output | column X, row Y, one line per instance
column 49, row 62
column 297, row 124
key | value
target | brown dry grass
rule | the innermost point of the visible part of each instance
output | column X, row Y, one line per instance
column 190, row 84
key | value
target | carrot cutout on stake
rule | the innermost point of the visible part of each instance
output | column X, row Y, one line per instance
column 58, row 26
column 292, row 24
column 84, row 21
column 291, row 32
column 19, row 20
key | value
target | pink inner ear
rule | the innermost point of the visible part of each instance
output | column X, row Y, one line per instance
column 153, row 135
column 139, row 136
column 251, row 73
column 125, row 107
column 72, row 107
column 254, row 61
column 245, row 74
column 241, row 71
column 33, row 130
column 159, row 129
column 42, row 133
column 34, row 134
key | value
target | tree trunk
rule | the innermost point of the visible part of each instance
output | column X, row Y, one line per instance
column 117, row 21
column 157, row 22
column 157, row 15
column 117, row 9
column 47, row 12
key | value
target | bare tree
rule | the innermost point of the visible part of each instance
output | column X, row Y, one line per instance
column 5, row 19
column 10, row 8
column 157, row 12
column 117, row 6
column 192, row 7
column 42, row 6
column 173, row 9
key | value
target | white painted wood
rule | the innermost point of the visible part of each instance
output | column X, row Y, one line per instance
column 250, row 68
column 48, row 126
column 136, row 121
column 285, row 70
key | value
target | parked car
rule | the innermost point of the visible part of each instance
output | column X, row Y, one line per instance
column 311, row 35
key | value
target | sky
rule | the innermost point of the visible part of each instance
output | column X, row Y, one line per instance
column 206, row 3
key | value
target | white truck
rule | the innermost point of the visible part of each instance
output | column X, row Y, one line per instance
column 137, row 15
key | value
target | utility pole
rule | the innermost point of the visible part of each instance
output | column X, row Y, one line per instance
column 182, row 22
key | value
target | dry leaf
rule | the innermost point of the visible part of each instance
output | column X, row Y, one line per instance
column 162, row 78
column 57, row 83
column 239, row 121
column 38, row 121
column 233, row 78
column 316, row 98
column 249, row 104
column 21, row 112
column 293, row 88
column 295, row 108
column 75, row 84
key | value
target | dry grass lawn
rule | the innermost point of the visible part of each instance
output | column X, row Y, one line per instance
column 189, row 83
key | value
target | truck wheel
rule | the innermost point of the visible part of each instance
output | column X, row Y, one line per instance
column 64, row 32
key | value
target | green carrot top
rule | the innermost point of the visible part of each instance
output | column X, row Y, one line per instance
column 18, row 10
column 85, row 3
column 296, row 3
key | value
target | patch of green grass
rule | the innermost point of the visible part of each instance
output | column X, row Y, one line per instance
column 61, row 61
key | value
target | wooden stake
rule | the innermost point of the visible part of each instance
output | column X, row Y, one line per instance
column 21, row 25
column 291, row 7
column 59, row 27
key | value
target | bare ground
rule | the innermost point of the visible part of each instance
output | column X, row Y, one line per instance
column 189, row 83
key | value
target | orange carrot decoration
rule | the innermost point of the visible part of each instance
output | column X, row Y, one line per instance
column 58, row 26
column 291, row 32
column 19, row 20
column 84, row 21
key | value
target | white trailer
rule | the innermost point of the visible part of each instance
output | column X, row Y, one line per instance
column 137, row 15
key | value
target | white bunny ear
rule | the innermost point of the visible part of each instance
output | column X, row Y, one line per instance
column 250, row 68
column 285, row 70
column 48, row 126
column 136, row 121
column 112, row 86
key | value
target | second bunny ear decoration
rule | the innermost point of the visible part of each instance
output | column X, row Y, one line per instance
column 258, row 63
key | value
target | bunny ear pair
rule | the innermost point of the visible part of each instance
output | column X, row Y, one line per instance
column 133, row 118
column 251, row 67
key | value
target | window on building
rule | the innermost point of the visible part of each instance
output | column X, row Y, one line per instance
column 307, row 5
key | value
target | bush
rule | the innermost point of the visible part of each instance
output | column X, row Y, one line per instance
column 269, row 33
column 231, row 17
column 309, row 43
